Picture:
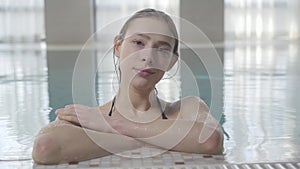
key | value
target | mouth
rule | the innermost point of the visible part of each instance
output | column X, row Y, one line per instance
column 144, row 72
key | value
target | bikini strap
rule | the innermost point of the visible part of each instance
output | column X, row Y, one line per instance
column 112, row 106
column 163, row 115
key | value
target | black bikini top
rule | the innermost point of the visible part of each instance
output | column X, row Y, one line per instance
column 163, row 115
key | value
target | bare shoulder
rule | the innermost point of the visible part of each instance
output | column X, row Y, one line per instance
column 188, row 108
column 105, row 107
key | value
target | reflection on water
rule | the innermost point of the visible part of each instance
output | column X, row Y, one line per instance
column 261, row 89
column 23, row 100
column 261, row 94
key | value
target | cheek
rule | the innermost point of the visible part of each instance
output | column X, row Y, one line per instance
column 127, row 63
column 159, row 75
column 126, row 50
column 127, row 59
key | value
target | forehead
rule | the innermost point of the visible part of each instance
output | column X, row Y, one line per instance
column 149, row 26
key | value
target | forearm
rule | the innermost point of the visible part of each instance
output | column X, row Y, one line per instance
column 179, row 135
column 62, row 142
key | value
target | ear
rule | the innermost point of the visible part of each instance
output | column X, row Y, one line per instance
column 117, row 45
column 173, row 61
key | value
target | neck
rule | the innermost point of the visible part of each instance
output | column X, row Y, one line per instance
column 137, row 99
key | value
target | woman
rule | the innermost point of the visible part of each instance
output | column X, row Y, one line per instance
column 146, row 47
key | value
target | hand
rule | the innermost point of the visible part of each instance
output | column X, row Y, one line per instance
column 87, row 117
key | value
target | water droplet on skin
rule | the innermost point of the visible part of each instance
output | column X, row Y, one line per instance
column 135, row 127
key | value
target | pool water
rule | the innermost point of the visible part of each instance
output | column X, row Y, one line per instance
column 260, row 103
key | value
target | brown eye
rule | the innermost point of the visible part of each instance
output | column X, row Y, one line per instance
column 138, row 42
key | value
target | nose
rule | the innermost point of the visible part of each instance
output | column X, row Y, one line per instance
column 147, row 56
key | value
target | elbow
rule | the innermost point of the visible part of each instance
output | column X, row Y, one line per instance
column 214, row 144
column 46, row 150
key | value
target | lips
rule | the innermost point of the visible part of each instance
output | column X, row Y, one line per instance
column 144, row 72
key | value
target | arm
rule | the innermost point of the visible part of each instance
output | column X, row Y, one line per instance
column 193, row 130
column 177, row 135
column 61, row 142
column 189, row 132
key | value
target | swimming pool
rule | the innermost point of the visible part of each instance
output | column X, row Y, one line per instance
column 261, row 88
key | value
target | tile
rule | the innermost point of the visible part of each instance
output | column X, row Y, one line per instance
column 169, row 159
column 16, row 164
column 179, row 163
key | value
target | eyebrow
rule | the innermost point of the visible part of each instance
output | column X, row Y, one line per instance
column 148, row 37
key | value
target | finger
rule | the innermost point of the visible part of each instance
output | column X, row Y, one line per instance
column 66, row 112
column 72, row 119
column 59, row 111
column 75, row 109
column 70, row 114
column 76, row 105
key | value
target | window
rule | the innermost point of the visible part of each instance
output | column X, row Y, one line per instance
column 262, row 19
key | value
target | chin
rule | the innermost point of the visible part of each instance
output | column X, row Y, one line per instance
column 141, row 84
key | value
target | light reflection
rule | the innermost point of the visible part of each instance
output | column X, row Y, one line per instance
column 258, row 105
column 258, row 56
column 22, row 21
column 293, row 51
column 294, row 31
column 248, row 25
column 24, row 101
column 240, row 26
column 259, row 26
column 262, row 19
column 270, row 27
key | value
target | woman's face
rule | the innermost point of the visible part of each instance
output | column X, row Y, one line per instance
column 146, row 52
